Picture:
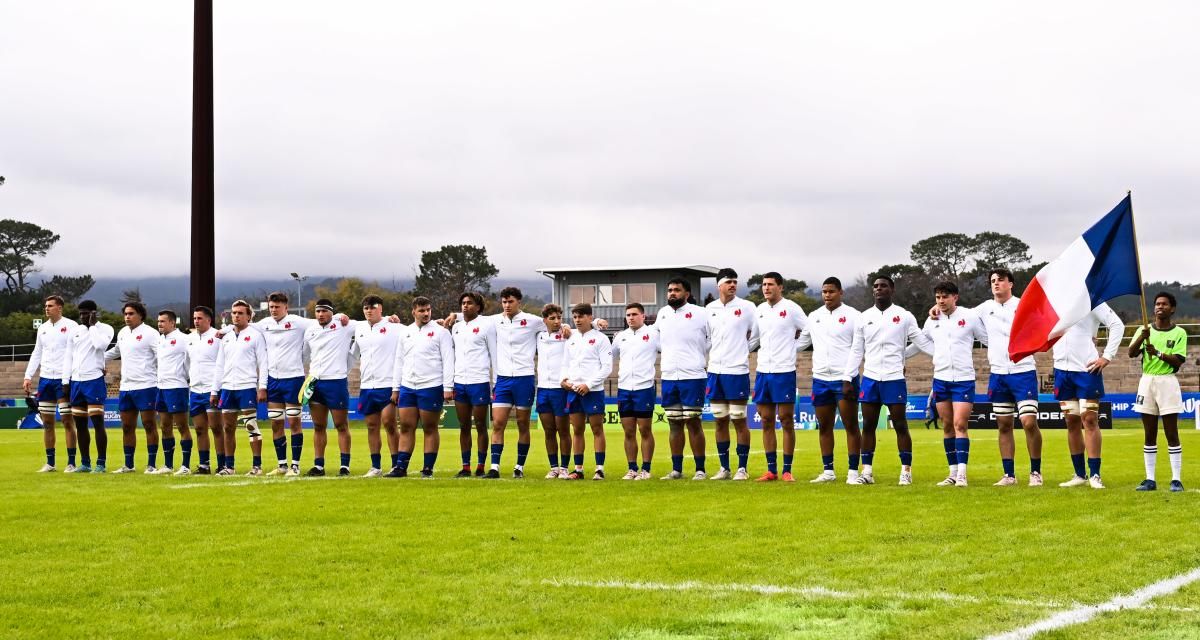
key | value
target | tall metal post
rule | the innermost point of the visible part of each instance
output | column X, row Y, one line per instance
column 203, row 254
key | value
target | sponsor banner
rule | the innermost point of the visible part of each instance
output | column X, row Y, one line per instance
column 1049, row 416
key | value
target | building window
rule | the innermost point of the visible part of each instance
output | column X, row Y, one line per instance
column 610, row 294
column 643, row 293
column 582, row 293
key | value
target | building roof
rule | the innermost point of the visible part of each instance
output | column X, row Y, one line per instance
column 701, row 269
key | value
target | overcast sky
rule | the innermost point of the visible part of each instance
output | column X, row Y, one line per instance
column 804, row 137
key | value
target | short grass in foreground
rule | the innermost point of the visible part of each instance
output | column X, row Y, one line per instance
column 138, row 556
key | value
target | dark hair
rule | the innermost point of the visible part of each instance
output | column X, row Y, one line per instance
column 87, row 305
column 833, row 281
column 687, row 286
column 880, row 276
column 727, row 272
column 774, row 275
column 1169, row 296
column 635, row 305
column 170, row 314
column 421, row 301
column 241, row 303
column 372, row 300
column 508, row 292
column 323, row 302
column 205, row 310
column 583, row 309
column 947, row 287
column 1004, row 274
column 55, row 299
column 551, row 309
column 475, row 297
column 137, row 307
column 277, row 296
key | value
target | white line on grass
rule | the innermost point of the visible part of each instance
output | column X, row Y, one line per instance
column 1084, row 613
column 242, row 483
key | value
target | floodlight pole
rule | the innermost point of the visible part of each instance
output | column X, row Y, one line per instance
column 203, row 253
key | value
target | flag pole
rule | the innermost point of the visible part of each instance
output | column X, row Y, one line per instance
column 1138, row 258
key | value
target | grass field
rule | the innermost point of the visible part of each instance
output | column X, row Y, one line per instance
column 138, row 556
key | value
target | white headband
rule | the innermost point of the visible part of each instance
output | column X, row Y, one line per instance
column 724, row 280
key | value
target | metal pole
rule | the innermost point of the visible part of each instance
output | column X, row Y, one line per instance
column 203, row 255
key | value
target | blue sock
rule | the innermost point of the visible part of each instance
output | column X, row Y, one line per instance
column 168, row 449
column 787, row 463
column 743, row 454
column 256, row 461
column 522, row 453
column 204, row 457
column 633, row 465
column 220, row 461
column 50, row 456
column 297, row 447
column 229, row 462
column 772, row 466
column 1093, row 466
column 827, row 462
column 677, row 464
column 553, row 457
column 853, row 461
column 699, row 463
column 151, row 454
column 85, row 461
column 599, row 458
column 1035, row 465
column 430, row 459
column 1010, row 469
column 951, row 452
column 395, row 458
column 70, row 455
column 962, row 447
column 186, row 446
column 377, row 460
column 497, row 451
column 906, row 458
column 466, row 458
column 480, row 457
column 405, row 458
column 345, row 462
column 646, row 466
column 868, row 457
column 577, row 459
column 723, row 453
column 319, row 462
column 281, row 450
column 1077, row 462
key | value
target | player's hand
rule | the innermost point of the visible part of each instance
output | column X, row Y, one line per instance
column 66, row 389
column 343, row 319
column 934, row 312
column 582, row 389
column 566, row 331
column 1095, row 366
column 27, row 386
column 566, row 384
column 395, row 397
column 220, row 334
column 393, row 319
column 847, row 389
column 448, row 395
column 602, row 324
column 1150, row 349
column 262, row 395
column 213, row 400
column 449, row 321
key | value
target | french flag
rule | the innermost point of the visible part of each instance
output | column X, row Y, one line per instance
column 1098, row 266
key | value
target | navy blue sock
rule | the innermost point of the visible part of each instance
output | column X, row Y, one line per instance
column 787, row 463
column 553, row 458
column 480, row 457
column 633, row 465
column 168, row 449
column 50, row 456
column 906, row 458
column 377, row 460
column 405, row 458
column 646, row 466
column 743, row 454
column 1077, row 462
column 1035, row 465
column 699, row 463
column 951, row 452
column 772, row 465
column 466, row 458
column 497, row 451
column 128, row 456
column 1010, row 469
column 281, row 449
column 522, row 453
column 430, row 460
column 868, row 457
column 395, row 457
column 723, row 453
column 297, row 447
column 962, row 447
column 827, row 462
column 345, row 462
column 70, row 455
column 577, row 458
column 151, row 454
column 319, row 462
column 220, row 461
column 677, row 463
column 599, row 458
column 1093, row 466
column 229, row 462
column 204, row 457
column 256, row 461
column 853, row 461
column 186, row 446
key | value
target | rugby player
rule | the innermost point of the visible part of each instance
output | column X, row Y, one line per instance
column 683, row 340
column 1079, row 385
column 137, row 348
column 733, row 330
column 636, row 348
column 239, row 384
column 780, row 322
column 203, row 346
column 375, row 343
column 1162, row 346
column 587, row 364
column 328, row 344
column 474, row 362
column 423, row 381
column 83, row 372
column 172, row 400
column 49, row 354
column 551, row 396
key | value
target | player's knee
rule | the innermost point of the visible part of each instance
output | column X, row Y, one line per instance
column 250, row 423
column 737, row 411
column 1069, row 407
column 720, row 410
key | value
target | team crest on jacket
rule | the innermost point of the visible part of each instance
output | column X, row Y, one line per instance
column 558, row 336
column 842, row 320
column 737, row 312
column 430, row 334
column 523, row 322
column 962, row 323
column 139, row 338
column 210, row 340
column 475, row 330
column 62, row 330
column 688, row 315
column 783, row 314
column 287, row 325
column 382, row 329
column 333, row 326
column 592, row 341
column 896, row 320
column 172, row 343
column 646, row 338
column 247, row 338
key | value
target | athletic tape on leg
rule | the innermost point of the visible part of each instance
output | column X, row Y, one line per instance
column 1069, row 407
column 1089, row 405
column 250, row 422
column 274, row 414
column 1004, row 409
column 1027, row 408
column 292, row 412
column 719, row 409
column 737, row 411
